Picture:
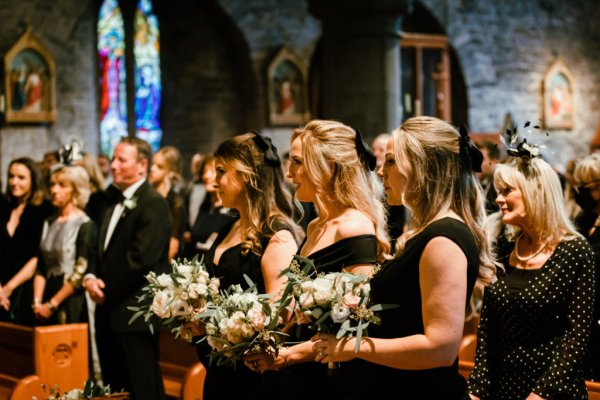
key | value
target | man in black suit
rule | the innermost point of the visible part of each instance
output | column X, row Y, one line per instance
column 133, row 240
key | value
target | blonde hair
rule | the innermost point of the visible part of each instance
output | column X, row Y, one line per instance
column 78, row 177
column 587, row 169
column 333, row 165
column 542, row 196
column 268, row 202
column 440, row 182
column 173, row 161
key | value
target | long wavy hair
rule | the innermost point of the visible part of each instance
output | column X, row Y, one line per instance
column 268, row 203
column 334, row 167
column 439, row 182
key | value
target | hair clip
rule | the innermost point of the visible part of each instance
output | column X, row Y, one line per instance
column 365, row 154
column 268, row 148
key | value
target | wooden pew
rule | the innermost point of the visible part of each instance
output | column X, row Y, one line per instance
column 55, row 355
column 183, row 374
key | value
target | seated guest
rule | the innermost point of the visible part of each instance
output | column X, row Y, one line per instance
column 536, row 318
column 66, row 249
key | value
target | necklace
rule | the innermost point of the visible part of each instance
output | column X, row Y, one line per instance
column 529, row 257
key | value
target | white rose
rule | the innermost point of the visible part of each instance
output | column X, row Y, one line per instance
column 238, row 317
column 339, row 313
column 322, row 297
column 165, row 281
column 307, row 286
column 180, row 308
column 351, row 300
column 213, row 286
column 257, row 317
column 160, row 305
column 306, row 301
column 185, row 270
column 224, row 325
column 74, row 394
column 247, row 330
column 196, row 290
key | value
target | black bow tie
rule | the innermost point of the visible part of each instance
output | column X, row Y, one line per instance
column 114, row 195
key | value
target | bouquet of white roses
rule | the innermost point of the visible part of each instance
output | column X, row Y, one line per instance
column 242, row 321
column 178, row 297
column 337, row 302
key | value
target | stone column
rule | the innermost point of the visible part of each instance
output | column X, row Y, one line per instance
column 361, row 62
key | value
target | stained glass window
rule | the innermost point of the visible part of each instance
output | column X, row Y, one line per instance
column 147, row 74
column 111, row 56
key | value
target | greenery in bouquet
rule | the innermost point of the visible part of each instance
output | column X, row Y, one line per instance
column 336, row 302
column 90, row 390
column 178, row 297
column 241, row 322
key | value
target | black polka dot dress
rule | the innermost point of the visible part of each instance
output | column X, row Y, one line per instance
column 535, row 326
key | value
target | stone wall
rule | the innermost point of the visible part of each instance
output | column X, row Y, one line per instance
column 216, row 52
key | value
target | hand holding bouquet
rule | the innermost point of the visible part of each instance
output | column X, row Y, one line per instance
column 177, row 298
column 240, row 322
column 336, row 303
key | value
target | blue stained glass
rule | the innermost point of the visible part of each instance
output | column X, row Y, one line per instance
column 111, row 56
column 148, row 85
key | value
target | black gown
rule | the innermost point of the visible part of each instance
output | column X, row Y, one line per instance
column 398, row 283
column 15, row 251
column 223, row 381
column 310, row 380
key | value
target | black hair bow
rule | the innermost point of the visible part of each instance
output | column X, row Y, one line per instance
column 268, row 148
column 469, row 153
column 365, row 154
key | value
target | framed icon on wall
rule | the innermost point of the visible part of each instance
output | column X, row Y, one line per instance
column 30, row 85
column 288, row 89
column 558, row 97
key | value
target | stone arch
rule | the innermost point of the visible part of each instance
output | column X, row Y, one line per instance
column 209, row 86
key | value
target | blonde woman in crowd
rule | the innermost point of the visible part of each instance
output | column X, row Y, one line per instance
column 536, row 318
column 67, row 247
column 165, row 175
column 333, row 168
column 429, row 167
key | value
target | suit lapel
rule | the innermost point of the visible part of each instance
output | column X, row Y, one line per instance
column 104, row 228
column 124, row 215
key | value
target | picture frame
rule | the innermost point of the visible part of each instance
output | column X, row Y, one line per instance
column 558, row 108
column 288, row 89
column 30, row 82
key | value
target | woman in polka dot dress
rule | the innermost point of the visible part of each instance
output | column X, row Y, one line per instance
column 536, row 319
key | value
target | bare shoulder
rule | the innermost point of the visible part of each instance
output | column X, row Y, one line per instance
column 441, row 251
column 354, row 223
column 282, row 236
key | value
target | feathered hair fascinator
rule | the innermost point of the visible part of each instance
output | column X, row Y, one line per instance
column 521, row 149
column 68, row 155
column 71, row 152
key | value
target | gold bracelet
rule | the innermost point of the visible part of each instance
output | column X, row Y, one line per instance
column 52, row 307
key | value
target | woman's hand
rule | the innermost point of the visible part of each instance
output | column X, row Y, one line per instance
column 263, row 361
column 4, row 299
column 43, row 311
column 327, row 348
column 473, row 397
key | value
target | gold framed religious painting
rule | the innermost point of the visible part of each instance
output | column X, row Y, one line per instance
column 29, row 82
column 558, row 97
column 288, row 89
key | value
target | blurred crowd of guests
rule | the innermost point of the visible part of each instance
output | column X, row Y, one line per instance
column 439, row 221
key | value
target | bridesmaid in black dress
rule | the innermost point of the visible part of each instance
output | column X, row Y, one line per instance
column 21, row 221
column 332, row 168
column 414, row 352
column 260, row 244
